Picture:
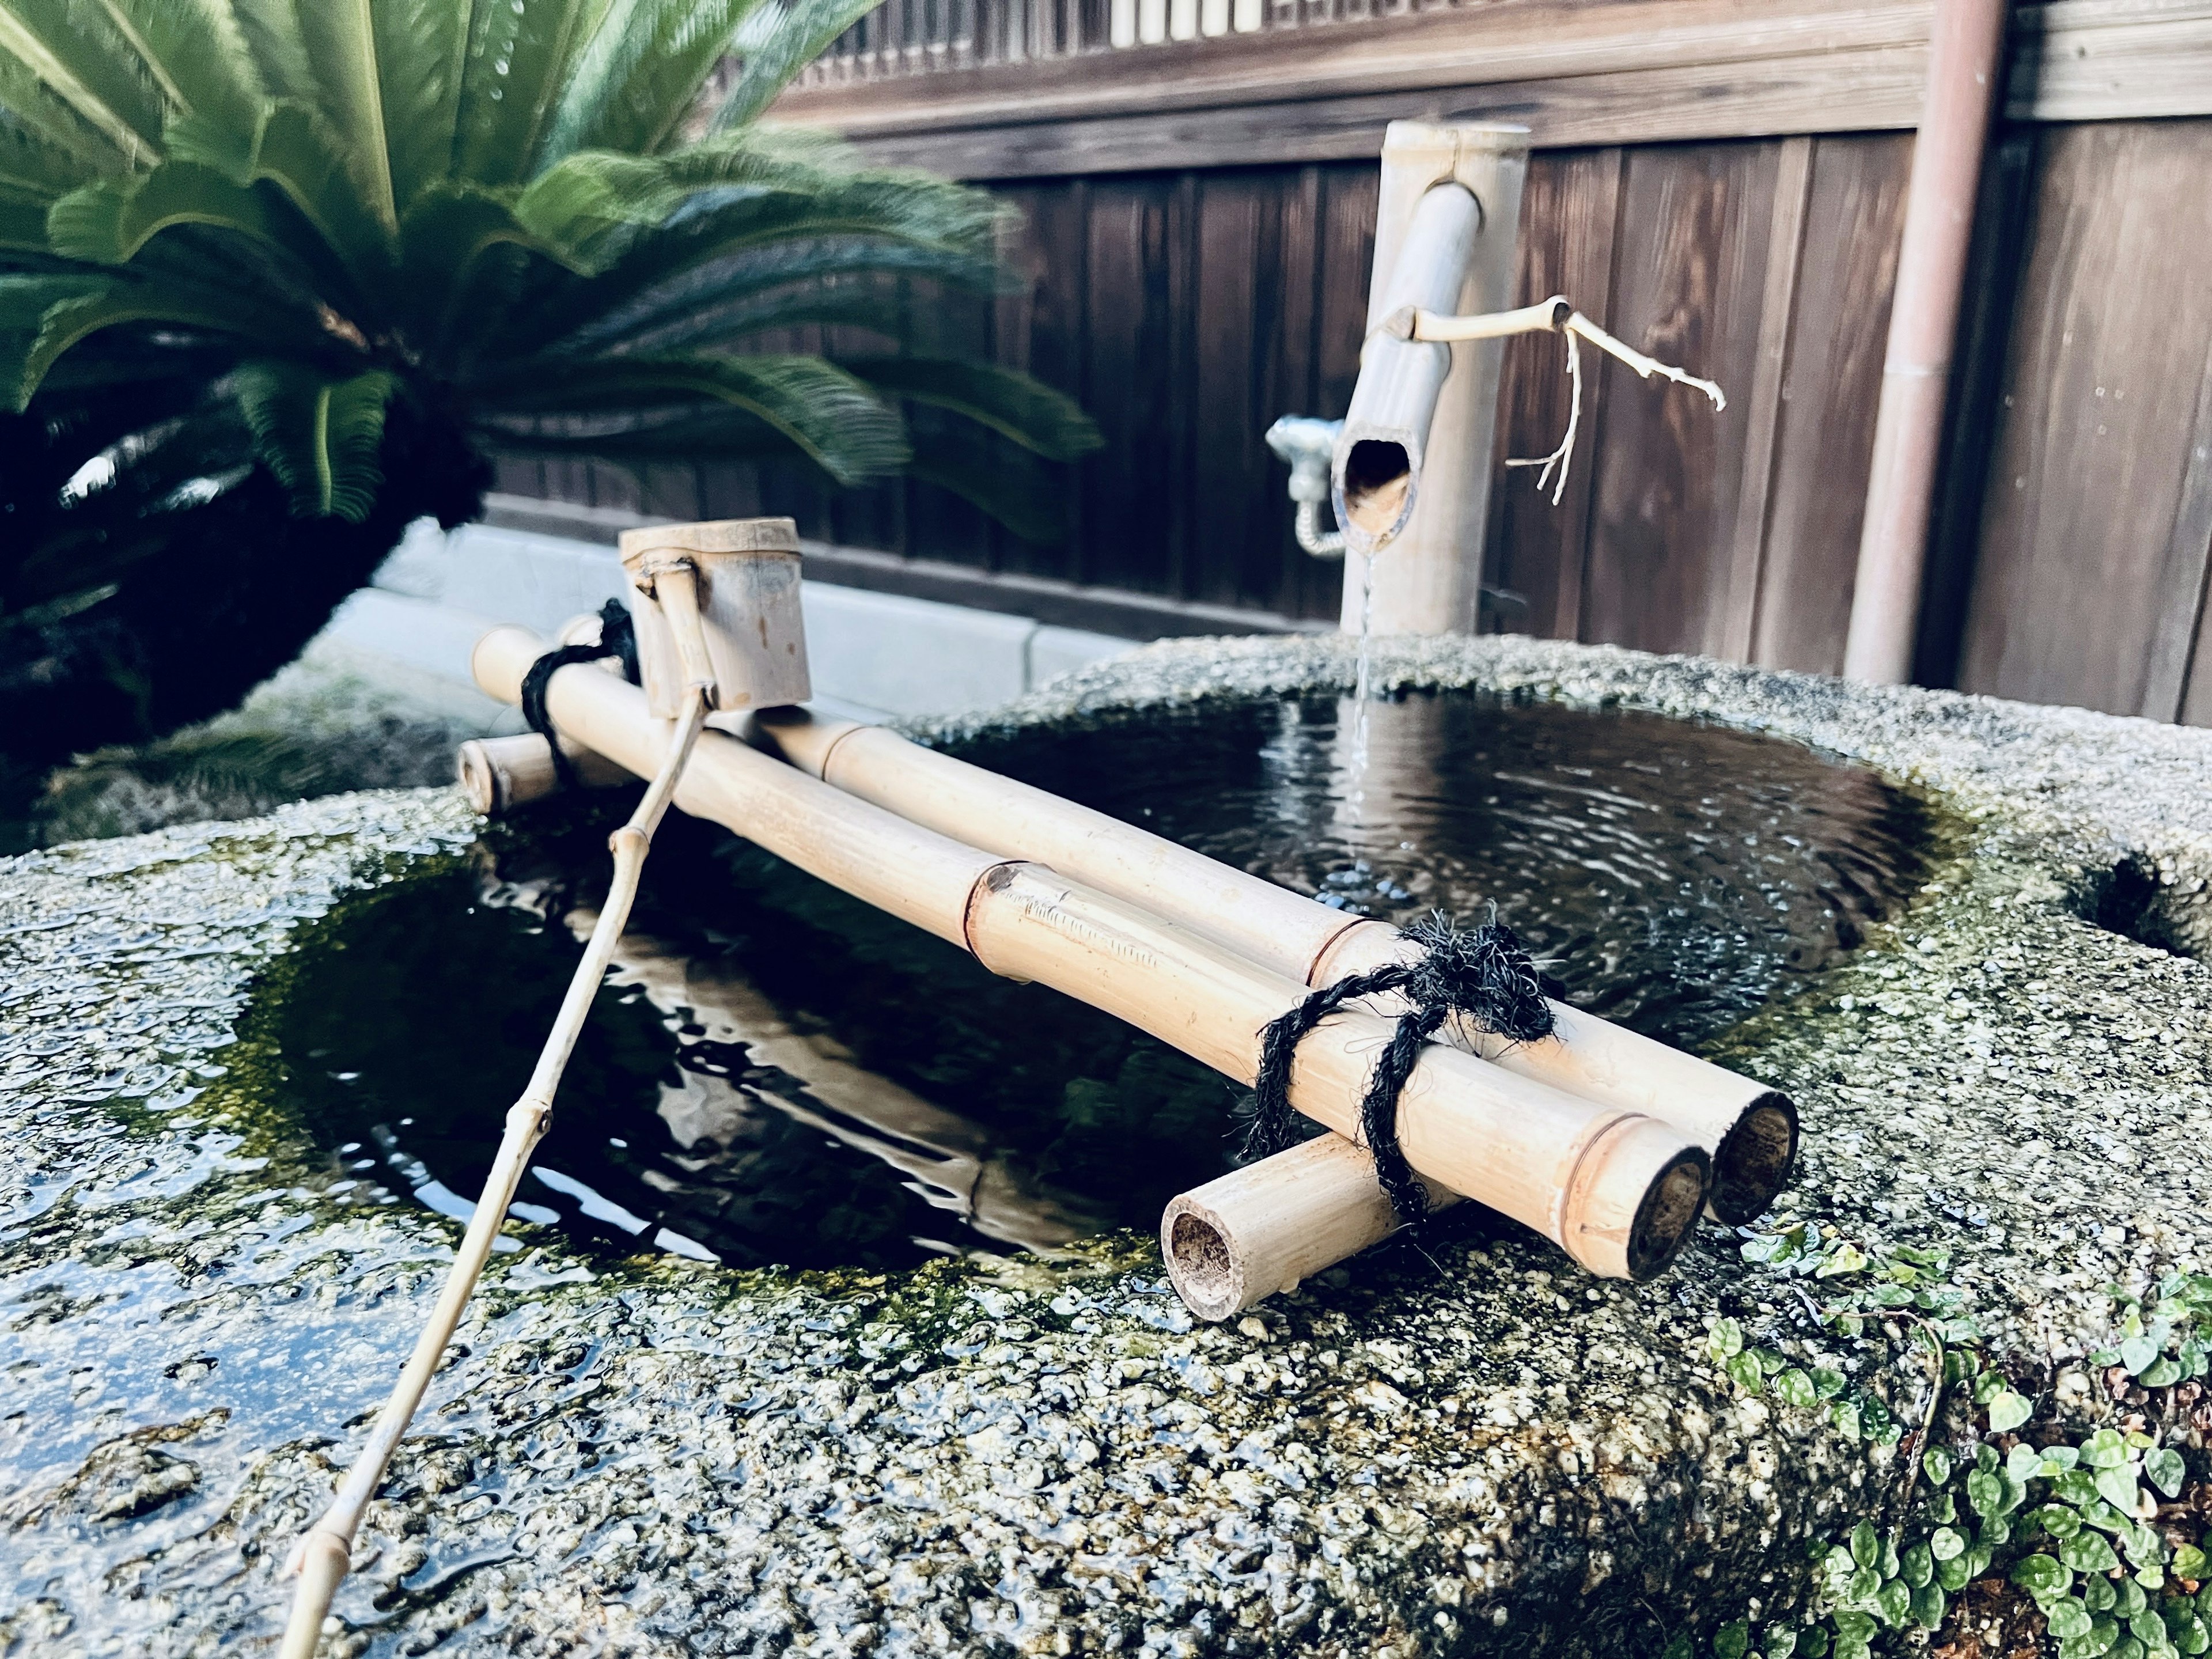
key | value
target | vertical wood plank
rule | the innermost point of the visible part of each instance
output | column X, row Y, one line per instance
column 1039, row 328
column 1176, row 487
column 2178, row 663
column 1690, row 273
column 1785, row 241
column 1568, row 212
column 1294, row 388
column 1127, row 326
column 2098, row 418
column 1236, row 313
column 1824, row 445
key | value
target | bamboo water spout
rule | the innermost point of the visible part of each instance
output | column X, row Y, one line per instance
column 1750, row 1129
column 1608, row 1185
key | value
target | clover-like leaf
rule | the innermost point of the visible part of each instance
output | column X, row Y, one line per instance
column 1977, row 1558
column 2042, row 1576
column 1954, row 1574
column 2008, row 1411
column 1946, row 1545
column 1778, row 1641
column 1725, row 1339
column 2058, row 1521
column 1916, row 1565
column 1936, row 1464
column 2056, row 1460
column 1731, row 1640
column 2024, row 1463
column 1995, row 1530
column 2137, row 1353
column 2100, row 1594
column 1743, row 1371
column 1928, row 1603
column 2107, row 1448
column 2117, row 1488
column 1985, row 1492
column 2189, row 1562
column 2075, row 1486
column 1865, row 1585
column 1894, row 1601
column 2088, row 1552
column 1866, row 1544
column 1987, row 1386
column 2161, row 1373
column 1827, row 1382
column 1794, row 1387
column 1852, row 1625
column 2068, row 1619
column 2166, row 1469
column 1845, row 1417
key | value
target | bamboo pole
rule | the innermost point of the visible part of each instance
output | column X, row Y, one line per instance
column 1750, row 1129
column 322, row 1557
column 1604, row 1183
column 1259, row 1230
column 500, row 774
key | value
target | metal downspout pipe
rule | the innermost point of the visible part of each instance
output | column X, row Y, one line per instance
column 1965, row 57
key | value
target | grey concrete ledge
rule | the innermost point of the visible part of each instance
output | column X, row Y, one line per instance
column 1475, row 1450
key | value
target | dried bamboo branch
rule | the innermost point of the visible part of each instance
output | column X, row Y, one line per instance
column 322, row 1557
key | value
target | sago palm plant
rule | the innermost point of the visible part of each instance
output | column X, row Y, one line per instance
column 338, row 253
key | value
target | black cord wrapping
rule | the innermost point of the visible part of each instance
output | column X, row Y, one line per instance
column 1483, row 975
column 618, row 638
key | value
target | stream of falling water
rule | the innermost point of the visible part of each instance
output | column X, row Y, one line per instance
column 1355, row 790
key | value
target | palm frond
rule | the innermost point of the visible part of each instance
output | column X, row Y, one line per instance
column 106, row 222
column 74, row 54
column 520, row 59
column 420, row 47
column 1013, row 405
column 1009, row 483
column 195, row 52
column 41, row 318
column 780, row 38
column 640, row 73
column 319, row 436
column 340, row 37
column 851, row 434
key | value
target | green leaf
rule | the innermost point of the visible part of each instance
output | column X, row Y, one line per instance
column 1744, row 1371
column 2137, row 1352
column 2058, row 1521
column 1946, row 1545
column 108, row 222
column 1725, row 1339
column 1843, row 1259
column 780, row 38
column 2117, row 1488
column 1865, row 1585
column 87, row 71
column 2068, row 1620
column 1794, row 1387
column 319, row 436
column 1895, row 1602
column 1944, row 1508
column 2041, row 1576
column 1828, row 1382
column 640, row 73
column 2189, row 1562
column 1917, row 1565
column 1866, row 1544
column 1936, row 1463
column 2166, row 1469
column 1012, row 406
column 1929, row 1605
column 2056, row 1460
column 2160, row 1373
column 2105, row 1449
column 1679, row 1646
column 2088, row 1552
column 1995, row 1530
column 2075, row 1486
column 1954, row 1574
column 1731, row 1640
column 1813, row 1643
column 1846, row 1416
column 1987, row 1386
column 1985, row 1492
column 2024, row 1463
column 2099, row 1593
column 1854, row 1625
column 1778, row 1641
column 2008, row 1411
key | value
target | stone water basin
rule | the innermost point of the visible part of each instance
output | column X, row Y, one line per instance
column 915, row 1435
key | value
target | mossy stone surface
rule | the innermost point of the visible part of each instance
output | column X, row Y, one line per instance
column 1470, row 1446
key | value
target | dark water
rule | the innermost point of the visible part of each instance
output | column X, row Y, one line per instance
column 778, row 1073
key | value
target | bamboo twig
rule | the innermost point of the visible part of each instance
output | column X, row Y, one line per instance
column 322, row 1557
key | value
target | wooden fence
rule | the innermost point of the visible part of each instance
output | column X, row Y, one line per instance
column 1721, row 182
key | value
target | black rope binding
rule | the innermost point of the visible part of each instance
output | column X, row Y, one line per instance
column 1483, row 975
column 618, row 638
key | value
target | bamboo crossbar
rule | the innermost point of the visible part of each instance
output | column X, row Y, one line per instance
column 1750, row 1129
column 1609, row 1185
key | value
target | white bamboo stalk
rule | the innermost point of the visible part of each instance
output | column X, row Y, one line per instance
column 1750, row 1129
column 1598, row 1181
column 500, row 774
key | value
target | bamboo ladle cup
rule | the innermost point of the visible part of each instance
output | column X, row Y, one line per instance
column 1618, row 1189
column 1750, row 1130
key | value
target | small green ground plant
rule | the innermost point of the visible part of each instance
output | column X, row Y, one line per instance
column 1994, row 1492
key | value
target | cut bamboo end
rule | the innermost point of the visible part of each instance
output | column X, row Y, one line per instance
column 1633, row 1199
column 500, row 774
column 1261, row 1230
column 1752, row 1162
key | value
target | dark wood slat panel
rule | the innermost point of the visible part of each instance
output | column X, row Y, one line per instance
column 1785, row 242
column 1039, row 328
column 1127, row 324
column 1236, row 312
column 1291, row 386
column 2099, row 412
column 1825, row 442
column 1569, row 211
column 1691, row 270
